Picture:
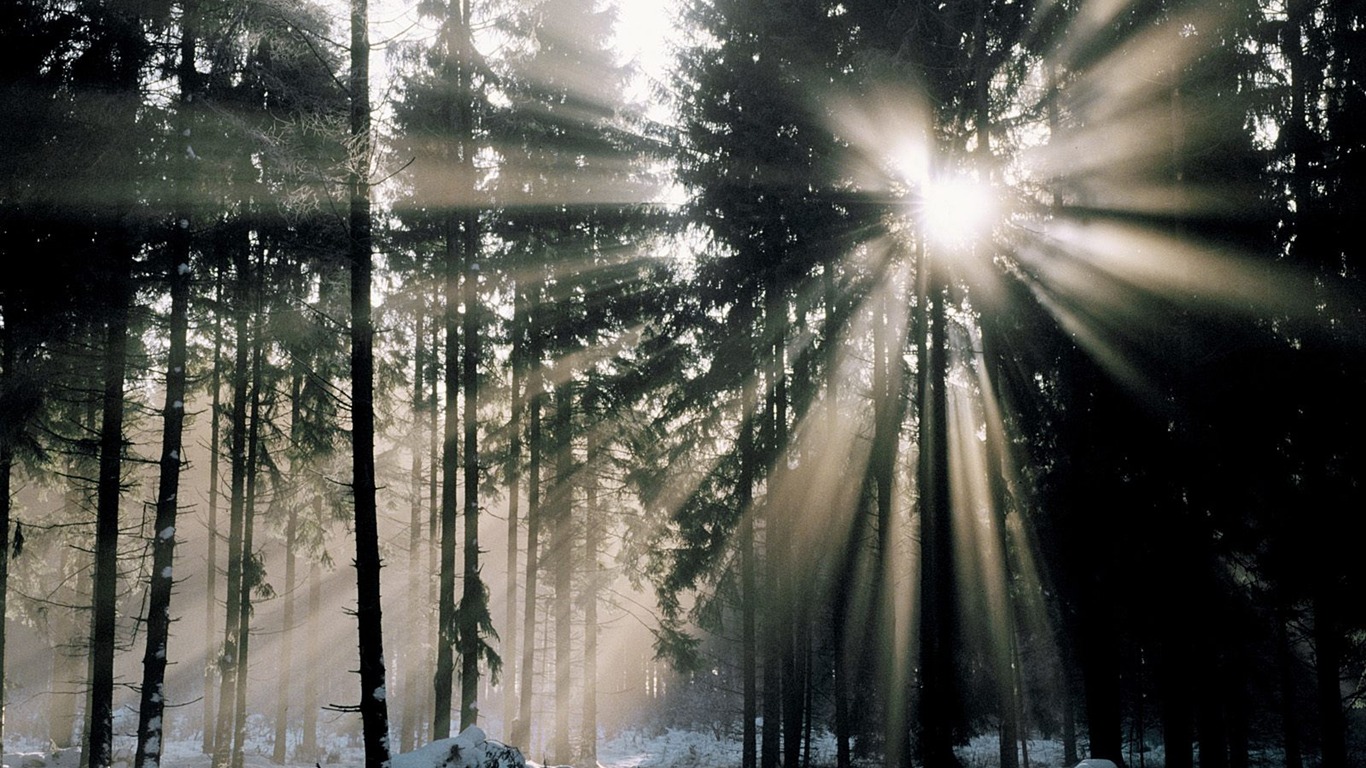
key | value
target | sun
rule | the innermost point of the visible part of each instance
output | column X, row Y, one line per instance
column 956, row 211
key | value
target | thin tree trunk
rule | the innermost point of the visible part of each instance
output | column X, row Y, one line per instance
column 839, row 637
column 374, row 705
column 562, row 555
column 102, row 624
column 7, row 357
column 749, row 597
column 450, row 467
column 522, row 731
column 153, row 699
column 1328, row 646
column 412, row 680
column 588, row 746
column 937, row 708
column 237, row 455
column 211, row 567
column 1285, row 660
column 308, row 743
column 66, row 667
column 514, row 468
column 280, row 752
column 435, row 500
column 252, row 569
column 474, row 599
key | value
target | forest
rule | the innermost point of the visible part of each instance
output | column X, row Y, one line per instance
column 833, row 383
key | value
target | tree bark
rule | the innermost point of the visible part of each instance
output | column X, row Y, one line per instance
column 237, row 456
column 474, row 599
column 280, row 751
column 252, row 569
column 153, row 699
column 102, row 625
column 308, row 743
column 749, row 597
column 510, row 655
column 588, row 739
column 211, row 566
column 522, row 731
column 562, row 556
column 412, row 679
column 374, row 705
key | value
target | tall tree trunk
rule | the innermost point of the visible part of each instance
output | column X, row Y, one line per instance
column 211, row 566
column 66, row 675
column 561, row 504
column 280, row 751
column 253, row 573
column 938, row 611
column 436, row 429
column 412, row 679
column 749, row 587
column 374, row 705
column 308, row 743
column 839, row 634
column 536, row 396
column 474, row 609
column 237, row 456
column 153, row 699
column 588, row 746
column 7, row 357
column 450, row 467
column 514, row 468
column 1328, row 646
column 1285, row 662
column 102, row 624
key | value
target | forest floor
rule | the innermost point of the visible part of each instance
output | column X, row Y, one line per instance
column 632, row 749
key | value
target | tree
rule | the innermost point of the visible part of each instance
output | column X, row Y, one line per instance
column 374, row 706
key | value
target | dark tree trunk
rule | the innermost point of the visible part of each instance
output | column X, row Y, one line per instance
column 839, row 634
column 308, row 743
column 237, row 455
column 561, row 504
column 102, row 624
column 374, row 705
column 749, row 598
column 280, row 751
column 1285, row 661
column 450, row 468
column 1328, row 646
column 413, row 687
column 514, row 468
column 938, row 708
column 252, row 569
column 7, row 357
column 211, row 566
column 588, row 747
column 153, row 699
column 474, row 609
column 522, row 731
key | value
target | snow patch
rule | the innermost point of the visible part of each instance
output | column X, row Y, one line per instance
column 166, row 572
column 380, row 694
column 166, row 533
column 471, row 749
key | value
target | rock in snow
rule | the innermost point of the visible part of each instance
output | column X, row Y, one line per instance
column 471, row 749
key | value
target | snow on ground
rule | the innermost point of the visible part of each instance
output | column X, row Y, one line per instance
column 631, row 749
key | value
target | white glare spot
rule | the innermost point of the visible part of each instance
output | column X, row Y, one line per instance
column 956, row 210
column 167, row 532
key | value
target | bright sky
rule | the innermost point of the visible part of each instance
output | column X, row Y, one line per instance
column 644, row 29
